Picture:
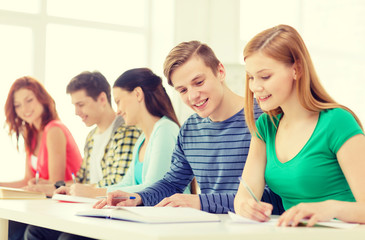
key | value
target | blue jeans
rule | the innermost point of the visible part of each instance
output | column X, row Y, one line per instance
column 16, row 230
column 34, row 232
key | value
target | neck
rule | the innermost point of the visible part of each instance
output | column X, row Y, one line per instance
column 147, row 123
column 294, row 112
column 107, row 119
column 230, row 105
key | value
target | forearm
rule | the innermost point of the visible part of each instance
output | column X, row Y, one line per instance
column 217, row 202
column 348, row 211
column 15, row 184
column 158, row 191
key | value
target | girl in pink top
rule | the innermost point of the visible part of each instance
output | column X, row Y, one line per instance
column 50, row 148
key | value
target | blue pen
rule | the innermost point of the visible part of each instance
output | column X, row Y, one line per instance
column 131, row 197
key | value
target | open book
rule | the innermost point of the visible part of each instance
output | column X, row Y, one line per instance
column 73, row 199
column 18, row 193
column 152, row 214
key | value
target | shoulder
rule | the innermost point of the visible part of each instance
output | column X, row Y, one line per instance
column 166, row 127
column 124, row 131
column 337, row 116
column 55, row 127
column 55, row 133
column 166, row 123
column 54, row 123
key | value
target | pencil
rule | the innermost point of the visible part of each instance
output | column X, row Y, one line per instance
column 36, row 177
column 73, row 177
column 249, row 189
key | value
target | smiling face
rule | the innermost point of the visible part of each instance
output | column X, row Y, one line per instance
column 199, row 88
column 89, row 110
column 127, row 104
column 271, row 81
column 27, row 107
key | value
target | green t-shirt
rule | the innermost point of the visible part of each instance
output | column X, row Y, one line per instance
column 314, row 174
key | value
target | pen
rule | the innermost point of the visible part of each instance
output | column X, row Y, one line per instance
column 36, row 177
column 249, row 189
column 73, row 177
column 131, row 197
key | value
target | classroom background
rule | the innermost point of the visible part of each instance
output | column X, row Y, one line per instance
column 55, row 40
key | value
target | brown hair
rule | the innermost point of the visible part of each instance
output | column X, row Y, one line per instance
column 93, row 83
column 183, row 52
column 157, row 101
column 283, row 43
column 17, row 125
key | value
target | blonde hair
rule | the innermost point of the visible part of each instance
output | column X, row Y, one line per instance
column 183, row 52
column 284, row 44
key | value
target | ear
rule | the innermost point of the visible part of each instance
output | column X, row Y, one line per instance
column 139, row 94
column 221, row 72
column 296, row 71
column 102, row 97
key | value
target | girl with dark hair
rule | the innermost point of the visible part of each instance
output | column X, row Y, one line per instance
column 143, row 101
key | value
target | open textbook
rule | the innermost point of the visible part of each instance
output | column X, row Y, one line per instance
column 73, row 199
column 273, row 221
column 18, row 193
column 152, row 214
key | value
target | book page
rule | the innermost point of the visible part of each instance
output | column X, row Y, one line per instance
column 73, row 199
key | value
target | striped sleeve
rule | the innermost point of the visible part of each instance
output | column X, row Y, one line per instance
column 175, row 180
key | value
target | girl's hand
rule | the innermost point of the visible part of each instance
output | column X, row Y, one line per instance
column 313, row 212
column 259, row 211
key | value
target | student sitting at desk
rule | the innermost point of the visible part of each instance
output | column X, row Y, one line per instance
column 51, row 151
column 142, row 101
column 212, row 144
column 109, row 146
column 306, row 147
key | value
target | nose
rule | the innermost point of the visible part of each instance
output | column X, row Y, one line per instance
column 193, row 95
column 77, row 111
column 255, row 86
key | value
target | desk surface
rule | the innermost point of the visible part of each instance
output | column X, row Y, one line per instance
column 61, row 216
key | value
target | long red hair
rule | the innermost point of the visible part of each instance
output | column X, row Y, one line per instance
column 16, row 125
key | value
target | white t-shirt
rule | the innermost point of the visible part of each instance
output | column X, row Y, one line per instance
column 97, row 153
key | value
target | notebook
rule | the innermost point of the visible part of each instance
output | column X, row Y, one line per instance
column 73, row 199
column 273, row 221
column 152, row 214
column 18, row 193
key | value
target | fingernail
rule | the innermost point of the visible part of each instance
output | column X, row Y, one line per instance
column 267, row 212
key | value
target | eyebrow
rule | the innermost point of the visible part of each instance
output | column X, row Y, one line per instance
column 259, row 71
column 199, row 75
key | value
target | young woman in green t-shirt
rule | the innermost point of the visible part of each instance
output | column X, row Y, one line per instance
column 307, row 148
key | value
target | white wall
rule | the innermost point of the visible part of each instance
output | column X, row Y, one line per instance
column 334, row 32
column 216, row 23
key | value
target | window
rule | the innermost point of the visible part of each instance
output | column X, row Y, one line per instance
column 333, row 32
column 56, row 40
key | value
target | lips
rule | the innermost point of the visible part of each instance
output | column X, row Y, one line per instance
column 201, row 103
column 264, row 98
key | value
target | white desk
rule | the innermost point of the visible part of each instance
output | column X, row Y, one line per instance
column 61, row 216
